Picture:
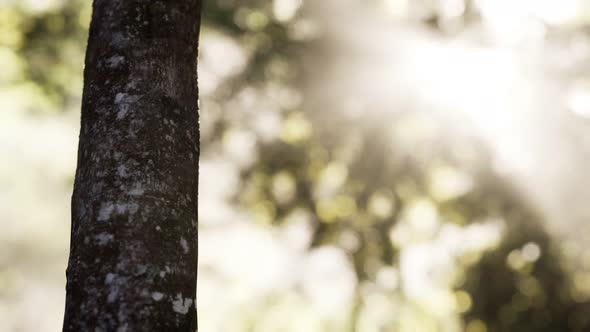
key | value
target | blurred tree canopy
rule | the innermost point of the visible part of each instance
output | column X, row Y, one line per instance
column 437, row 238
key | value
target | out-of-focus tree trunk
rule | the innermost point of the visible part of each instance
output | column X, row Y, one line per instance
column 133, row 255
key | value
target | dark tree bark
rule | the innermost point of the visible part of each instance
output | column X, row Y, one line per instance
column 133, row 250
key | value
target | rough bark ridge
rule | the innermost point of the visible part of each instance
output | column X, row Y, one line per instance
column 133, row 250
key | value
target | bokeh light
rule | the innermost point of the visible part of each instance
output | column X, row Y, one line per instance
column 383, row 165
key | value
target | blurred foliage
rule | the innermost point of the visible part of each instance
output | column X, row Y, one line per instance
column 43, row 54
column 436, row 238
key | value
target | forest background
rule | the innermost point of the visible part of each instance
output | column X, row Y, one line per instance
column 378, row 165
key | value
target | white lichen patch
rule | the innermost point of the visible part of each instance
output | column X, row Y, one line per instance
column 141, row 269
column 122, row 112
column 181, row 305
column 120, row 97
column 165, row 271
column 123, row 100
column 113, row 295
column 157, row 296
column 137, row 190
column 115, row 61
column 113, row 281
column 122, row 208
column 103, row 238
column 105, row 211
column 110, row 277
column 184, row 245
column 119, row 40
column 122, row 171
column 131, row 85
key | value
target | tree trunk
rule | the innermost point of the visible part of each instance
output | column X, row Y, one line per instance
column 133, row 250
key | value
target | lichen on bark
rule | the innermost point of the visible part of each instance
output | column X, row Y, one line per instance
column 133, row 246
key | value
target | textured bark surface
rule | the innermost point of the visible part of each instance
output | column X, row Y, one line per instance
column 133, row 250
